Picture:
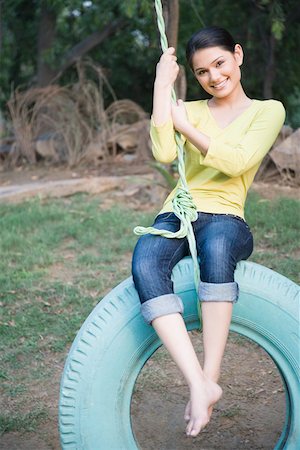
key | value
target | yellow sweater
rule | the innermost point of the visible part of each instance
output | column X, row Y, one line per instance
column 219, row 181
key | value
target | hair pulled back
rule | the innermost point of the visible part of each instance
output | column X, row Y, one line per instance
column 209, row 37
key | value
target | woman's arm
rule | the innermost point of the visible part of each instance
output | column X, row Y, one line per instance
column 166, row 73
column 233, row 160
column 200, row 140
column 228, row 158
column 162, row 129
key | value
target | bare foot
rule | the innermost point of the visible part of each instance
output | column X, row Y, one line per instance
column 202, row 397
column 214, row 376
column 187, row 412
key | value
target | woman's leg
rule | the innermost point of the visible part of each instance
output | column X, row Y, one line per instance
column 227, row 241
column 203, row 391
column 153, row 260
column 216, row 317
column 223, row 242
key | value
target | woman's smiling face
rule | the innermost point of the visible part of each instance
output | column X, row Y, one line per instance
column 218, row 70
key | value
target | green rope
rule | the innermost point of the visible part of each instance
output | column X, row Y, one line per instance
column 183, row 205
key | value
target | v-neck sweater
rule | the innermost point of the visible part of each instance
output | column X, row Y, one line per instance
column 219, row 181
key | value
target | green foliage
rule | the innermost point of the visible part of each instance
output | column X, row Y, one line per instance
column 277, row 28
column 294, row 107
column 133, row 7
column 129, row 57
column 17, row 59
column 277, row 19
column 256, row 22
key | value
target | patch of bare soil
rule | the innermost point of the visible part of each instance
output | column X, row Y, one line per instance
column 43, row 172
column 126, row 179
column 271, row 191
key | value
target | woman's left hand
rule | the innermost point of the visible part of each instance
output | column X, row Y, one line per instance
column 179, row 116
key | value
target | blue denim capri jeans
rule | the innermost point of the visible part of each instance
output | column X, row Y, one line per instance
column 222, row 240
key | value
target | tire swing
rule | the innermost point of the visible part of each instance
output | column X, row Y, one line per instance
column 115, row 342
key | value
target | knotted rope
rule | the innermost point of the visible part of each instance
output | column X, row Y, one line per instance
column 183, row 205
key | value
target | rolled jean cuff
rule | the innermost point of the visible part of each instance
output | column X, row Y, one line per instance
column 161, row 306
column 218, row 292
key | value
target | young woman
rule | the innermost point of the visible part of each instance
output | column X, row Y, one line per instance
column 225, row 139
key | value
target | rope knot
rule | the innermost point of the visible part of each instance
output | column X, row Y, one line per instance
column 184, row 206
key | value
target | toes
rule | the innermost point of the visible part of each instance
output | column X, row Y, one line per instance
column 187, row 412
column 194, row 432
column 193, row 429
column 189, row 428
column 195, row 426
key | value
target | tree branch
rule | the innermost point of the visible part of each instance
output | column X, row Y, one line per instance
column 90, row 42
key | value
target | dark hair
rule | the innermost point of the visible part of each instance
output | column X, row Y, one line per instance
column 209, row 37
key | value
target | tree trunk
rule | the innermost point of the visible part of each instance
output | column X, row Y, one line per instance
column 270, row 69
column 171, row 18
column 46, row 36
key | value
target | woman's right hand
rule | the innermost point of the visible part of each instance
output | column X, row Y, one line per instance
column 167, row 68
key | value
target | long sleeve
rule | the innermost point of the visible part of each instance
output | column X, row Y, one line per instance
column 235, row 159
column 163, row 142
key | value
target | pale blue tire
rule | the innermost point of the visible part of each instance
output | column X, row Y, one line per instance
column 114, row 343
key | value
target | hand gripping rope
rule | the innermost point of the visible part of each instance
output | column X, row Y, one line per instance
column 183, row 205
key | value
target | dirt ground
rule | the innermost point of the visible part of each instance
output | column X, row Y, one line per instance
column 250, row 414
column 42, row 174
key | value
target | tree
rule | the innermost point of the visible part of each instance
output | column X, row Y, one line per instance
column 63, row 32
column 40, row 40
column 45, row 41
column 171, row 18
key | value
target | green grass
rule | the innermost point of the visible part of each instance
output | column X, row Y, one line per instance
column 59, row 257
column 24, row 422
column 36, row 236
column 276, row 229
